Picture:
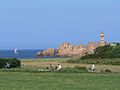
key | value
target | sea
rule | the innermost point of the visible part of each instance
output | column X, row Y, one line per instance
column 22, row 54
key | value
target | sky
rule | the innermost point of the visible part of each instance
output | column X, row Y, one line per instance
column 41, row 24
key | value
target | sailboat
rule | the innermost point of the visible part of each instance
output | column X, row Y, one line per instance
column 16, row 51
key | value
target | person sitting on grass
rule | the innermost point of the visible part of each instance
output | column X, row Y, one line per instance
column 50, row 67
column 93, row 68
column 56, row 68
column 59, row 67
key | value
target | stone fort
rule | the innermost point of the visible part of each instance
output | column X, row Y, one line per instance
column 68, row 50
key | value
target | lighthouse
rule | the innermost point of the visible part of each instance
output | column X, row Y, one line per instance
column 102, row 39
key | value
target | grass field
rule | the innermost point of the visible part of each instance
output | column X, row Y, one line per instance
column 58, row 81
column 22, row 80
column 43, row 63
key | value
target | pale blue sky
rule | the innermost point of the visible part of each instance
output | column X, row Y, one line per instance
column 36, row 24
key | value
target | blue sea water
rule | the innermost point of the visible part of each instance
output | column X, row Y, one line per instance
column 22, row 54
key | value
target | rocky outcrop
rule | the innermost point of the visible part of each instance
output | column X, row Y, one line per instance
column 91, row 47
column 48, row 52
column 69, row 50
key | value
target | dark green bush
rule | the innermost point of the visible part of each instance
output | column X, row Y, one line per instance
column 80, row 68
column 115, row 61
column 12, row 61
column 98, row 56
column 108, row 71
column 76, row 69
column 105, row 52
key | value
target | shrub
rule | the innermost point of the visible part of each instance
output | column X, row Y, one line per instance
column 107, row 70
column 98, row 56
column 105, row 52
column 76, row 69
column 12, row 61
column 80, row 68
column 95, row 61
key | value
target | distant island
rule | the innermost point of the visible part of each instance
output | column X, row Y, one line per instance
column 68, row 50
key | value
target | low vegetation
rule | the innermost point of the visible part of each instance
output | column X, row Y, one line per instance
column 13, row 62
column 75, row 69
column 106, row 55
column 105, row 52
column 95, row 61
column 68, row 78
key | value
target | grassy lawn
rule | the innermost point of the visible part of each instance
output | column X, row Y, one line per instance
column 58, row 81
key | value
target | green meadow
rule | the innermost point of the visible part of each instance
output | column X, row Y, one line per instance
column 29, row 78
column 59, row 81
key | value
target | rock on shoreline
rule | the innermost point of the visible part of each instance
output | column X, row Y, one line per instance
column 48, row 52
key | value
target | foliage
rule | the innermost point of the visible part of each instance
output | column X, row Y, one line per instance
column 104, row 50
column 108, row 71
column 107, row 51
column 98, row 56
column 12, row 61
column 76, row 69
column 116, row 51
column 95, row 61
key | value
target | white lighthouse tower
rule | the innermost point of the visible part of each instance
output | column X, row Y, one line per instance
column 102, row 39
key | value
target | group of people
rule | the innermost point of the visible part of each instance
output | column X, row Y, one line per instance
column 50, row 67
column 58, row 67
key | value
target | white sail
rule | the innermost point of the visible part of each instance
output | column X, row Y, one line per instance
column 15, row 51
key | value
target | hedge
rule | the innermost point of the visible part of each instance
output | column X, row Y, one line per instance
column 12, row 61
column 115, row 61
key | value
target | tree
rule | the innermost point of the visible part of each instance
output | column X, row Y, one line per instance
column 116, row 51
column 107, row 49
